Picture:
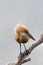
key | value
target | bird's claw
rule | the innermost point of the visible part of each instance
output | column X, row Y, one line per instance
column 27, row 52
column 21, row 54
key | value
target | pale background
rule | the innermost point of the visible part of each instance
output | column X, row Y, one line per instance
column 28, row 12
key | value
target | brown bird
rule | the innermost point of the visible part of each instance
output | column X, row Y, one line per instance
column 22, row 35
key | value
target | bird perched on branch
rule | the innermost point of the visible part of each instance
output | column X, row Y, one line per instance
column 22, row 35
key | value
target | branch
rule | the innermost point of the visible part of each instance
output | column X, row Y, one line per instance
column 21, row 58
column 26, row 60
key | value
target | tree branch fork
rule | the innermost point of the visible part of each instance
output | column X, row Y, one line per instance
column 23, row 58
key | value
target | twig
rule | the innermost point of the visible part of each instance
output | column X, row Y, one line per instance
column 26, row 60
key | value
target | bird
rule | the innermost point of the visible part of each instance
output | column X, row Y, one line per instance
column 22, row 35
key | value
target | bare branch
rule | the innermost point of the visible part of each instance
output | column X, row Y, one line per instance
column 22, row 57
column 26, row 60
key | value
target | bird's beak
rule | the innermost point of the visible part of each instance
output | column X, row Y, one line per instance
column 31, row 36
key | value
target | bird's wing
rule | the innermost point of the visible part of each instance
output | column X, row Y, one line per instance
column 22, row 33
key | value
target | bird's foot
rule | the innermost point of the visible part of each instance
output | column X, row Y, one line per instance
column 27, row 52
column 21, row 54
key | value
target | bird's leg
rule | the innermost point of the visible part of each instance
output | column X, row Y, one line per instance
column 24, row 47
column 21, row 54
column 20, row 49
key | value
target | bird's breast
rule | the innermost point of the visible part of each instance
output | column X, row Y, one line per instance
column 24, row 38
column 20, row 34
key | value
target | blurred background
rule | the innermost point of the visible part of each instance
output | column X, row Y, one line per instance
column 12, row 12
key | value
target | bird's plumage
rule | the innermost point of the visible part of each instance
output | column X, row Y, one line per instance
column 22, row 34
